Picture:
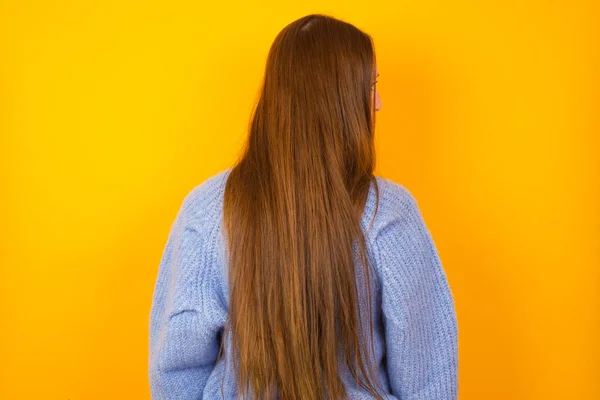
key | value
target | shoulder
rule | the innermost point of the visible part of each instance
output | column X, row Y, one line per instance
column 204, row 201
column 402, row 241
column 395, row 195
column 396, row 204
column 399, row 225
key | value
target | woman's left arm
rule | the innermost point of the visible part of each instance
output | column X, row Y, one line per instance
column 186, row 316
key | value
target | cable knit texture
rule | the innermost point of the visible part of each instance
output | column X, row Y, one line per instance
column 414, row 320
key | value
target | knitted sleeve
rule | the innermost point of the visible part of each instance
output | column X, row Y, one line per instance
column 421, row 330
column 185, row 316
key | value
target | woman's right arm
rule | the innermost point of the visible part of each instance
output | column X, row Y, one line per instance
column 420, row 321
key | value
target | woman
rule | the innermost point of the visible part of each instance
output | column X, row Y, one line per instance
column 297, row 273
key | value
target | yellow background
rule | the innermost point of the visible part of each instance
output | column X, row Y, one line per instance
column 111, row 111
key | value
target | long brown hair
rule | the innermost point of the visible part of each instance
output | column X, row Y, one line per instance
column 292, row 213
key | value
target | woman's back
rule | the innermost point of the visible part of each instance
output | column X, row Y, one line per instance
column 413, row 318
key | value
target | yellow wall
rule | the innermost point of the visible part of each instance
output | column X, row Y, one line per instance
column 110, row 112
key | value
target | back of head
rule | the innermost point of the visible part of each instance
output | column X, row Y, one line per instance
column 292, row 211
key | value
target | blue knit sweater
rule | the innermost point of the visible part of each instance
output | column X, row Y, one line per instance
column 414, row 321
